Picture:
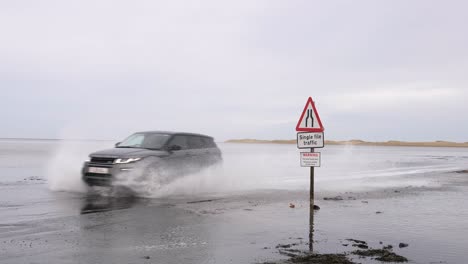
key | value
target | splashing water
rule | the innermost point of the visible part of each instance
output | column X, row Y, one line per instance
column 64, row 168
column 257, row 166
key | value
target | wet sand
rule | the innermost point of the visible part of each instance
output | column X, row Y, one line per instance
column 238, row 227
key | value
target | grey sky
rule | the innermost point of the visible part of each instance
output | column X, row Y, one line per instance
column 378, row 70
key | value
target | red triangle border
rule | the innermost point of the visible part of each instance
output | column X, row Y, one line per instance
column 320, row 129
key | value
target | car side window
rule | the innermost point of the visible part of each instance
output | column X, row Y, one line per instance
column 209, row 142
column 180, row 141
column 206, row 142
column 195, row 142
column 212, row 143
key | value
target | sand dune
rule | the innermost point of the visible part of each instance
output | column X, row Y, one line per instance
column 358, row 142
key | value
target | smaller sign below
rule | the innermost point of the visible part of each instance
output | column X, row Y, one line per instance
column 310, row 159
column 310, row 140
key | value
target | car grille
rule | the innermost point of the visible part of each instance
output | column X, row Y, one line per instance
column 102, row 160
column 94, row 179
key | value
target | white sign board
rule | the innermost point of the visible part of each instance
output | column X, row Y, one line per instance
column 310, row 140
column 310, row 159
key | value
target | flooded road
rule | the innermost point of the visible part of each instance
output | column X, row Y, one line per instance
column 97, row 229
column 239, row 217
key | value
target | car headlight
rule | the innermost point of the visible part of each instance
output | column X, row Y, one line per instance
column 127, row 160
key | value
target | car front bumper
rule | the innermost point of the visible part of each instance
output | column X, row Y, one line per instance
column 96, row 174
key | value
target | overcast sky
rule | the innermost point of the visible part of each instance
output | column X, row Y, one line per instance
column 377, row 70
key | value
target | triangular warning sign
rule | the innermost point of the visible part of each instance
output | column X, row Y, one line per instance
column 310, row 119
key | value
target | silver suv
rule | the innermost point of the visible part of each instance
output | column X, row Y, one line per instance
column 168, row 154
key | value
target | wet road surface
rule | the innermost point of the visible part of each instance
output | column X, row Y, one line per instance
column 97, row 229
column 38, row 225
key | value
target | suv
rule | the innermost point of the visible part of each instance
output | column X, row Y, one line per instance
column 146, row 154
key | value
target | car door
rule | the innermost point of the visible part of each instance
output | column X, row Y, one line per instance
column 213, row 154
column 198, row 152
column 180, row 160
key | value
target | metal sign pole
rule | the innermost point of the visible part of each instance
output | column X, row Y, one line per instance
column 311, row 210
column 312, row 186
column 310, row 135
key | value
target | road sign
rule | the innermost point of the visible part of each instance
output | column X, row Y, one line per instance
column 310, row 119
column 310, row 135
column 310, row 159
column 310, row 140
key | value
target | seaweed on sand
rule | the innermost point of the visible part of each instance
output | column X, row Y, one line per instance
column 384, row 255
column 301, row 257
column 321, row 258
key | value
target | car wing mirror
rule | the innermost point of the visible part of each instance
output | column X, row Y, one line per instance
column 117, row 144
column 174, row 148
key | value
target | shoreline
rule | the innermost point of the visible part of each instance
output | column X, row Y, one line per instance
column 354, row 142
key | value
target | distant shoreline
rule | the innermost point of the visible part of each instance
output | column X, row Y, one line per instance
column 391, row 143
column 354, row 142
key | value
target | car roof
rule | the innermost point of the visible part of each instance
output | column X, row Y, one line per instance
column 175, row 133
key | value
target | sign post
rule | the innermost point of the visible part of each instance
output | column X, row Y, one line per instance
column 310, row 135
column 311, row 209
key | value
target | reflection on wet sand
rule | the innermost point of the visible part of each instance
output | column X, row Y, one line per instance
column 97, row 203
column 311, row 230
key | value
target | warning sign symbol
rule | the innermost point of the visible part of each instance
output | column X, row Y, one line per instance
column 310, row 119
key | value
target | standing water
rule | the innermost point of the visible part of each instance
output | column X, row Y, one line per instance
column 40, row 180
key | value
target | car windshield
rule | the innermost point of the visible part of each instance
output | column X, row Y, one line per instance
column 145, row 140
